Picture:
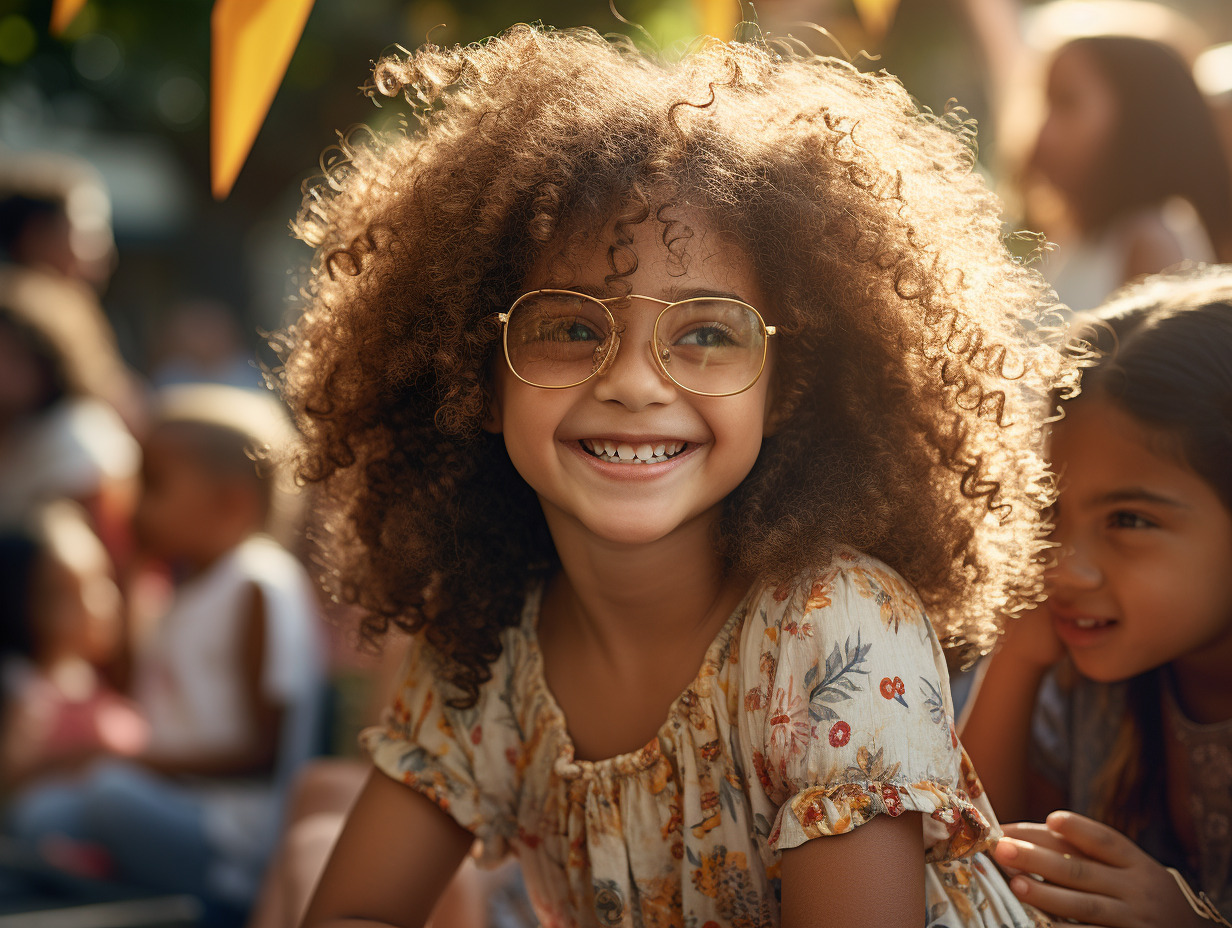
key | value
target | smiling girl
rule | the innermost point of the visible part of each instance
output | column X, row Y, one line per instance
column 1134, row 729
column 677, row 410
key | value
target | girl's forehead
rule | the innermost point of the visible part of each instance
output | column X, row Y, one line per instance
column 681, row 257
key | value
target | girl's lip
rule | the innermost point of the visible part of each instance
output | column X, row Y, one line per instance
column 1080, row 629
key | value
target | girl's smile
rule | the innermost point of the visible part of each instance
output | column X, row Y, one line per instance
column 628, row 455
column 633, row 450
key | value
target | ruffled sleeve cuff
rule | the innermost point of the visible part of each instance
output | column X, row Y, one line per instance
column 426, row 756
column 953, row 826
column 452, row 790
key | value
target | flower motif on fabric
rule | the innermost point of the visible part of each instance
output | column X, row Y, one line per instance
column 609, row 904
column 798, row 629
column 871, row 765
column 833, row 810
column 898, row 605
column 840, row 734
column 790, row 728
column 660, row 903
column 762, row 768
column 935, row 704
column 894, row 689
column 819, row 593
column 724, row 876
column 970, row 779
column 967, row 829
column 893, row 802
column 838, row 680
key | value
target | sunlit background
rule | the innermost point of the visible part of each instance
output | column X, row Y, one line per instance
column 126, row 87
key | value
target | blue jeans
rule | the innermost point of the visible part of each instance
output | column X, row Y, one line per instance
column 151, row 828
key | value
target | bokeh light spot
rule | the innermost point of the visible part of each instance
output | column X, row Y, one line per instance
column 17, row 39
column 180, row 100
column 97, row 57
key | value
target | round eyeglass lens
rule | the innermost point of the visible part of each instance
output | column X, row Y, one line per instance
column 557, row 339
column 712, row 345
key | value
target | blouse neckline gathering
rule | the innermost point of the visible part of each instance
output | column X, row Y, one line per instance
column 629, row 763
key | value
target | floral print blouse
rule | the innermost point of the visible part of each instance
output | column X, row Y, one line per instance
column 819, row 705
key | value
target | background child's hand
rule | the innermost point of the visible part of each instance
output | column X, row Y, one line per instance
column 1030, row 639
column 1038, row 835
column 1093, row 874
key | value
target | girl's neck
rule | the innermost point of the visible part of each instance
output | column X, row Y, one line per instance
column 629, row 600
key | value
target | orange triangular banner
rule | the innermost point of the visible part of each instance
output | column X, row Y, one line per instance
column 876, row 15
column 63, row 12
column 251, row 45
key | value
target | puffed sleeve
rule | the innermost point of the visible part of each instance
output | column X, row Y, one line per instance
column 852, row 715
column 436, row 749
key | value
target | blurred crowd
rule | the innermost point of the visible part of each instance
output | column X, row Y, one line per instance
column 165, row 673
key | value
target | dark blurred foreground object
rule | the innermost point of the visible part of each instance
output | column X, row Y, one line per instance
column 35, row 895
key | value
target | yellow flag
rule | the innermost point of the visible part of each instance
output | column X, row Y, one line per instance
column 718, row 17
column 64, row 12
column 251, row 45
column 876, row 15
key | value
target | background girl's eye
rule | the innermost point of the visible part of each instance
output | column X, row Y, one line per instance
column 1123, row 518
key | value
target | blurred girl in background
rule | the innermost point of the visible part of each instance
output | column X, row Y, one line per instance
column 59, row 622
column 1131, row 155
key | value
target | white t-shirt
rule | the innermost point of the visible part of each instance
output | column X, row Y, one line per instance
column 190, row 684
column 1086, row 272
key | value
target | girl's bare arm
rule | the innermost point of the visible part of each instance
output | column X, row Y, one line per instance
column 872, row 877
column 393, row 860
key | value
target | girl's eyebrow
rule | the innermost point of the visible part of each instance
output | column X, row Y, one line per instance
column 688, row 293
column 1137, row 495
column 671, row 294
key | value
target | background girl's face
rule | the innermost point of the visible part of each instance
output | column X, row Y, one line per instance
column 76, row 603
column 1144, row 572
column 550, row 434
column 179, row 502
column 1082, row 116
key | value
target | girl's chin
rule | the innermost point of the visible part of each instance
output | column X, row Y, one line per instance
column 639, row 527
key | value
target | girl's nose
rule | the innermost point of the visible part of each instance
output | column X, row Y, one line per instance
column 1075, row 568
column 632, row 378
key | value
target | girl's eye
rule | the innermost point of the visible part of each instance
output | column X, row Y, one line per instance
column 1124, row 519
column 710, row 335
column 568, row 330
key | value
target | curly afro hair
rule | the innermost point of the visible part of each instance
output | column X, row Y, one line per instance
column 912, row 377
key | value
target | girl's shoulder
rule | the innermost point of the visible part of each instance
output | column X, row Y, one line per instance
column 848, row 590
column 843, row 620
column 427, row 673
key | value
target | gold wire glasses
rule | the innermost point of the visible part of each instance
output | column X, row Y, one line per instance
column 708, row 345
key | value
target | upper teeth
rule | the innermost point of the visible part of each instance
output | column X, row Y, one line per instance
column 626, row 453
column 1089, row 623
